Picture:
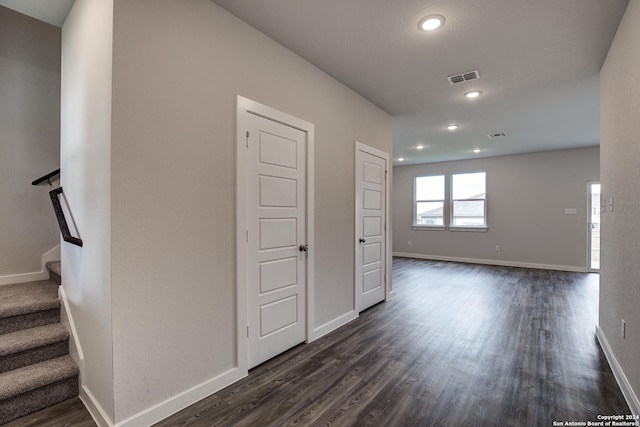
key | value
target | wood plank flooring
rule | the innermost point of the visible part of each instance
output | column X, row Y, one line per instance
column 70, row 413
column 458, row 345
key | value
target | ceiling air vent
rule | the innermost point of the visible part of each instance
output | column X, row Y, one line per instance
column 464, row 77
column 497, row 135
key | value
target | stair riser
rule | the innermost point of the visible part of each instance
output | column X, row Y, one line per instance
column 43, row 397
column 35, row 355
column 55, row 271
column 30, row 320
column 55, row 278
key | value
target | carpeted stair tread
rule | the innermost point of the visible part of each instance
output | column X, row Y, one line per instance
column 31, row 377
column 55, row 271
column 36, row 370
column 23, row 298
column 27, row 339
column 55, row 266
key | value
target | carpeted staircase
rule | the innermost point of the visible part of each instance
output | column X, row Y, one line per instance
column 36, row 370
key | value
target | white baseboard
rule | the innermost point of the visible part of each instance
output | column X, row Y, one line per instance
column 75, row 348
column 493, row 262
column 164, row 409
column 323, row 330
column 43, row 274
column 176, row 403
column 390, row 295
column 23, row 278
column 97, row 412
column 621, row 378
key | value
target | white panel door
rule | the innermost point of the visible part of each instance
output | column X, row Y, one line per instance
column 276, row 218
column 370, row 229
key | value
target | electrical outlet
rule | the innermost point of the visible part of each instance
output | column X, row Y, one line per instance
column 409, row 243
column 497, row 248
column 623, row 327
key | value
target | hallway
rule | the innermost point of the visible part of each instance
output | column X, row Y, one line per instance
column 459, row 344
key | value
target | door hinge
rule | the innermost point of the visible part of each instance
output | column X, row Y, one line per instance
column 247, row 139
column 247, row 331
column 246, row 235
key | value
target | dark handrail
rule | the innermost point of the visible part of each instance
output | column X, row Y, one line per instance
column 62, row 222
column 47, row 177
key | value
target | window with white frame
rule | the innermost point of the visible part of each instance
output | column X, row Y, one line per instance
column 429, row 200
column 468, row 200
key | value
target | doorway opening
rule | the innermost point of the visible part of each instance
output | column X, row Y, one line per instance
column 594, row 226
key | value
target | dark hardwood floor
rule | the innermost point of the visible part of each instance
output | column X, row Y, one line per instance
column 70, row 413
column 458, row 345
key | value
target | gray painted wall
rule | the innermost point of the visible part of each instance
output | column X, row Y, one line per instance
column 29, row 139
column 169, row 267
column 526, row 198
column 85, row 151
column 620, row 164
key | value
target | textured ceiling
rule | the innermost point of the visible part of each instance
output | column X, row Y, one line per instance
column 52, row 12
column 539, row 64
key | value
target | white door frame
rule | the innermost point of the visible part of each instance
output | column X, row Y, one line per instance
column 245, row 105
column 589, row 237
column 388, row 292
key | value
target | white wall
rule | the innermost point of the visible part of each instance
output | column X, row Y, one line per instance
column 29, row 141
column 85, row 161
column 620, row 165
column 177, row 68
column 526, row 198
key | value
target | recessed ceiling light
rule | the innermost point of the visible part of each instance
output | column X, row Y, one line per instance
column 473, row 94
column 419, row 147
column 477, row 150
column 452, row 127
column 401, row 159
column 431, row 22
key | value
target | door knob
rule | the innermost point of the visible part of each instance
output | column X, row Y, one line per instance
column 303, row 248
column 362, row 240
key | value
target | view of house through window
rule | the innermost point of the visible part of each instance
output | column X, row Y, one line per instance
column 429, row 197
column 466, row 199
